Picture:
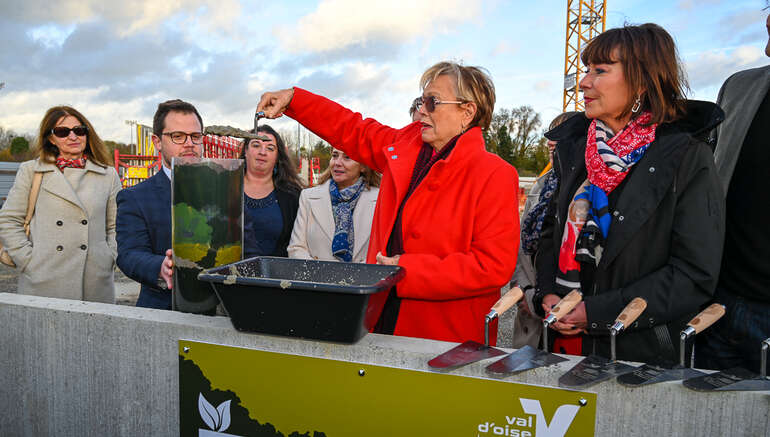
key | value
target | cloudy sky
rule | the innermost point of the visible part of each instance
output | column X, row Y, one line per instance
column 116, row 60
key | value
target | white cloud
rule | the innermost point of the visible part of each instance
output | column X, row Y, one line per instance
column 543, row 85
column 713, row 67
column 22, row 111
column 128, row 17
column 340, row 24
column 691, row 4
column 505, row 48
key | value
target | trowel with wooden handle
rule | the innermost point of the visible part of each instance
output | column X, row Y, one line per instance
column 653, row 374
column 472, row 351
column 530, row 358
column 594, row 369
column 734, row 379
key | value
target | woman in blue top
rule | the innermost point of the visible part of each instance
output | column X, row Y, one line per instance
column 271, row 195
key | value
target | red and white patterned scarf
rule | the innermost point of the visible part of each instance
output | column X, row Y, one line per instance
column 63, row 163
column 631, row 138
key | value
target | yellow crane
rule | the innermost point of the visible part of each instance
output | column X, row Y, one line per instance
column 585, row 20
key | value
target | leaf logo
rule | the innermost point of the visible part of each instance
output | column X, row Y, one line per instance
column 218, row 419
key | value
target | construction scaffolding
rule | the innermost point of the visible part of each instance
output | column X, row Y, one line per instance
column 585, row 20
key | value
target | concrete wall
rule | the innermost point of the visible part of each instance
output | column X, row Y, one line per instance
column 87, row 369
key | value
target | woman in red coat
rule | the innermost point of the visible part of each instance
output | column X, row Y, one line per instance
column 447, row 210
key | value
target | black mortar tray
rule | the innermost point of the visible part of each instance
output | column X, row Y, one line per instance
column 321, row 300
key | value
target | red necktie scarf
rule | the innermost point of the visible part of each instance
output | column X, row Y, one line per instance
column 63, row 163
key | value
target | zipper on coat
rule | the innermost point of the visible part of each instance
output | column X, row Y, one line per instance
column 560, row 174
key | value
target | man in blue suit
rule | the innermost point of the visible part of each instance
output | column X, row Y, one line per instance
column 144, row 210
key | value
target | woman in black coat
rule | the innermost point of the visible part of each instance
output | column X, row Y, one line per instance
column 638, row 211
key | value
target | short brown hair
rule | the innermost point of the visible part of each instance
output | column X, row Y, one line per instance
column 95, row 149
column 176, row 105
column 472, row 84
column 651, row 68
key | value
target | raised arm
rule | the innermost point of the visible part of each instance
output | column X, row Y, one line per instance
column 359, row 138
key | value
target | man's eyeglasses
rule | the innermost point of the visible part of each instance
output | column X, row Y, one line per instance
column 181, row 137
column 430, row 102
column 64, row 132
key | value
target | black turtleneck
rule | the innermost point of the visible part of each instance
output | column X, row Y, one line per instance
column 746, row 257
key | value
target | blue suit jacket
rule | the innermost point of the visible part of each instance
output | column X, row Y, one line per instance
column 143, row 235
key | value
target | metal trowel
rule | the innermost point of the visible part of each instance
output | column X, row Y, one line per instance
column 472, row 351
column 653, row 374
column 565, row 305
column 594, row 369
column 530, row 358
column 257, row 116
column 734, row 379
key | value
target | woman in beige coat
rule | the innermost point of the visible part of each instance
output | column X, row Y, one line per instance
column 335, row 218
column 70, row 252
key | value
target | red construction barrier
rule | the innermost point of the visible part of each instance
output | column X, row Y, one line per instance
column 221, row 147
column 314, row 170
column 133, row 169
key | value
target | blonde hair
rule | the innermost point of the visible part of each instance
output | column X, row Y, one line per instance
column 472, row 84
column 371, row 177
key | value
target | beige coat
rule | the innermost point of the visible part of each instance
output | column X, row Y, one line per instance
column 71, row 250
column 313, row 230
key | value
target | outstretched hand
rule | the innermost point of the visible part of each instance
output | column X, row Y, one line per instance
column 274, row 103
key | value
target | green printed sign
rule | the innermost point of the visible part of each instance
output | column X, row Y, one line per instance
column 232, row 391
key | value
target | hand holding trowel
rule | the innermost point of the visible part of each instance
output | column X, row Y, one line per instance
column 530, row 358
column 734, row 379
column 652, row 374
column 472, row 351
column 568, row 302
column 594, row 368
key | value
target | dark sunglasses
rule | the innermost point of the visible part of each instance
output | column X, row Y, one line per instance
column 64, row 132
column 430, row 102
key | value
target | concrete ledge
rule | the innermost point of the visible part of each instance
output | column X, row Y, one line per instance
column 89, row 369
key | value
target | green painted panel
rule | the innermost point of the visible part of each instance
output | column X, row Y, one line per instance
column 273, row 394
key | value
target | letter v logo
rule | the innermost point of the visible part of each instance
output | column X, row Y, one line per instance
column 560, row 422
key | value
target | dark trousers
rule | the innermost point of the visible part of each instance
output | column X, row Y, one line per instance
column 736, row 339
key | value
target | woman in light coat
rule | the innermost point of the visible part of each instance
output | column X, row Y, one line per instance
column 322, row 229
column 70, row 252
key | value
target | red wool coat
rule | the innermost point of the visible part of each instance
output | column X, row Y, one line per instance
column 460, row 226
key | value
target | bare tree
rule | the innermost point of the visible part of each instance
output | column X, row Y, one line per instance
column 524, row 127
column 6, row 135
